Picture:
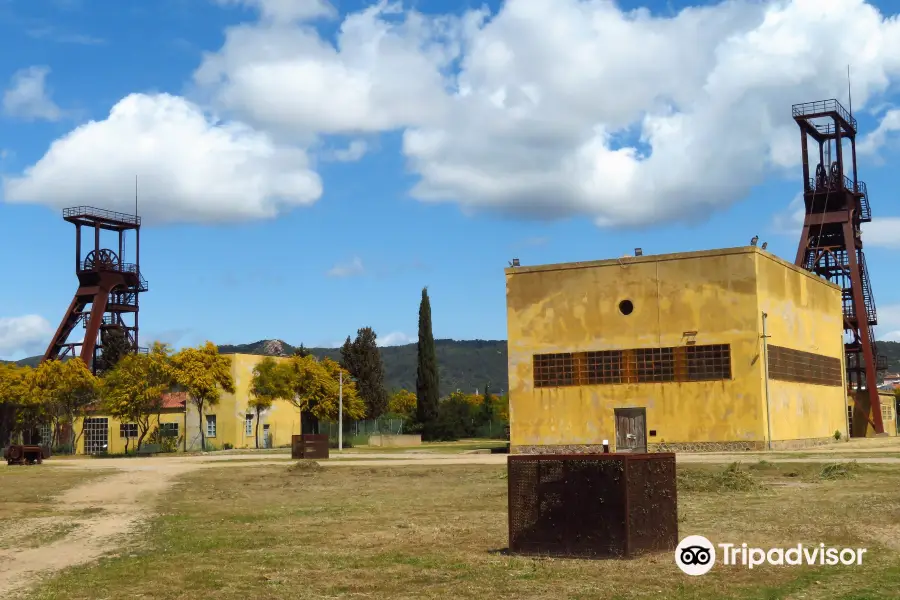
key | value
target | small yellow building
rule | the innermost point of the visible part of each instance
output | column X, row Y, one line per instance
column 668, row 352
column 230, row 422
column 860, row 419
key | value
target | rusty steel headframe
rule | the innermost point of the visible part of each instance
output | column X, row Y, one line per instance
column 592, row 505
column 106, row 284
column 831, row 246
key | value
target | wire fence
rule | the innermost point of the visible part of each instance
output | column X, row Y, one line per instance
column 357, row 433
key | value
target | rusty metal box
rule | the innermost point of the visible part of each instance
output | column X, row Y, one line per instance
column 309, row 445
column 592, row 505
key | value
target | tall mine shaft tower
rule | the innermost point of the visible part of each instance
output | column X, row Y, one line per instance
column 105, row 282
column 831, row 243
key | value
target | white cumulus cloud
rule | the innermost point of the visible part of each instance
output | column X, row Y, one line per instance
column 887, row 130
column 396, row 338
column 354, row 268
column 353, row 152
column 384, row 73
column 287, row 10
column 190, row 166
column 27, row 96
column 560, row 107
column 24, row 336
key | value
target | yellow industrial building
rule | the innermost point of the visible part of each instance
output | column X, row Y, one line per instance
column 860, row 426
column 229, row 422
column 730, row 349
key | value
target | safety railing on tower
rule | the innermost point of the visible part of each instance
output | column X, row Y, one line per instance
column 822, row 107
column 100, row 213
column 120, row 267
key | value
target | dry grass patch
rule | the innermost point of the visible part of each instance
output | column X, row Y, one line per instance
column 440, row 532
column 29, row 490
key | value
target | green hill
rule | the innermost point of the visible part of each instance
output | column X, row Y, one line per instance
column 464, row 364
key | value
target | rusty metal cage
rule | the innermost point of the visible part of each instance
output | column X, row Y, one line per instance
column 592, row 505
column 309, row 445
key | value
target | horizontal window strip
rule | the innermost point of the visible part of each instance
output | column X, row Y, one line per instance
column 798, row 366
column 639, row 365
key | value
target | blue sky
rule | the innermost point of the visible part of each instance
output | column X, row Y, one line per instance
column 237, row 264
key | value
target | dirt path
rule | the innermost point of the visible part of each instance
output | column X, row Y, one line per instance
column 99, row 514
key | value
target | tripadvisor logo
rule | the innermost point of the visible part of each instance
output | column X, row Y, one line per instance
column 696, row 555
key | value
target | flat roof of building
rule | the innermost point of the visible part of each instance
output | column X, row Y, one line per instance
column 651, row 258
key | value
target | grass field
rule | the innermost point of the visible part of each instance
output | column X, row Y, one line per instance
column 439, row 532
column 26, row 491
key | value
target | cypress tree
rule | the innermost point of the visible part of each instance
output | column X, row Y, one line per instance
column 427, row 371
column 363, row 359
column 115, row 345
column 487, row 405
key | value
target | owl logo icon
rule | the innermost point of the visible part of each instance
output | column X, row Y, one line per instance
column 695, row 555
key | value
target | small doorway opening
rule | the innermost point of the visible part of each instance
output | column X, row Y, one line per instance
column 631, row 430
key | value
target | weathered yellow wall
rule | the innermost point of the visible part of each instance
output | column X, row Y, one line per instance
column 890, row 425
column 116, row 442
column 283, row 419
column 574, row 307
column 803, row 314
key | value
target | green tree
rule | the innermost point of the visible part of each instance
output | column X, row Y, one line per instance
column 115, row 345
column 455, row 420
column 363, row 360
column 312, row 386
column 427, row 382
column 267, row 386
column 403, row 403
column 301, row 351
column 203, row 373
column 132, row 391
column 18, row 407
column 65, row 389
column 487, row 406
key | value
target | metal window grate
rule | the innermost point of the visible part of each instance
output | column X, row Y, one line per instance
column 786, row 364
column 655, row 364
column 128, row 430
column 641, row 365
column 708, row 363
column 554, row 370
column 603, row 367
column 96, row 435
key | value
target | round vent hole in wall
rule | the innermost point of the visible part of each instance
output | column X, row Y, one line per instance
column 626, row 307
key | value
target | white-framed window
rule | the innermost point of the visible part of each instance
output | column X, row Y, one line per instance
column 887, row 411
column 128, row 430
column 168, row 430
column 248, row 425
column 210, row 425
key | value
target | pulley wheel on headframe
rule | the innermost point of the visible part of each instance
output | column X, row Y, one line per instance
column 102, row 259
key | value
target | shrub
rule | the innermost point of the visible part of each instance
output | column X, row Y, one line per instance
column 733, row 478
column 839, row 471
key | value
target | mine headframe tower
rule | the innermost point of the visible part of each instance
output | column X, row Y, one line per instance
column 831, row 242
column 105, row 282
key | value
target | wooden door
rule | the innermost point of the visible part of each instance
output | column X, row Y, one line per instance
column 631, row 430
